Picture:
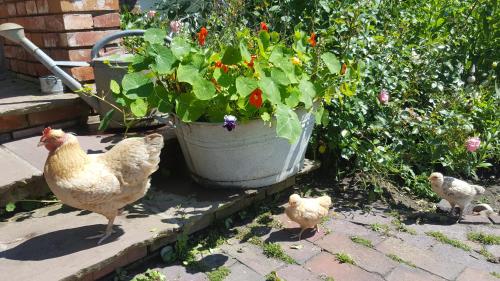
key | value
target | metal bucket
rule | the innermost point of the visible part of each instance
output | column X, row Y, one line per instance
column 250, row 156
column 51, row 85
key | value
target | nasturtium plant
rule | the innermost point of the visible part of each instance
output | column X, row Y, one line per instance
column 257, row 76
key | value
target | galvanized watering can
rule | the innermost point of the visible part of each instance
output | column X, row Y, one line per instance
column 103, row 72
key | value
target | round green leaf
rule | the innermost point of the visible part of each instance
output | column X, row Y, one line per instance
column 114, row 86
column 331, row 62
column 232, row 55
column 134, row 80
column 203, row 89
column 245, row 85
column 155, row 36
column 270, row 89
column 287, row 124
column 10, row 207
column 139, row 108
column 164, row 59
column 180, row 47
column 187, row 73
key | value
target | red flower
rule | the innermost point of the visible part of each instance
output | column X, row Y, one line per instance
column 219, row 64
column 256, row 98
column 344, row 68
column 252, row 58
column 312, row 39
column 263, row 26
column 202, row 35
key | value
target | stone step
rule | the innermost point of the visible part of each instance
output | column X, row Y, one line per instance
column 24, row 110
column 49, row 242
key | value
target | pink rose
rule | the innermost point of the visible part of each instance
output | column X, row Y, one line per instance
column 472, row 144
column 175, row 26
column 151, row 14
column 383, row 97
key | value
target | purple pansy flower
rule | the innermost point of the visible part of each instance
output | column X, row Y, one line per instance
column 229, row 122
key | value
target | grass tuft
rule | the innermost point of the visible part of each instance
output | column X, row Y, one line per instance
column 496, row 274
column 362, row 241
column 401, row 227
column 483, row 238
column 400, row 260
column 344, row 258
column 445, row 239
column 274, row 250
column 489, row 256
column 380, row 228
column 219, row 274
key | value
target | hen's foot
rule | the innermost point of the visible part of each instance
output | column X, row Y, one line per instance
column 102, row 236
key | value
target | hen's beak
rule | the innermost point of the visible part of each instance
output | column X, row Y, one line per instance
column 41, row 143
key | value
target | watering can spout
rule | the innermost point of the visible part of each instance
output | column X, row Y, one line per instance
column 15, row 33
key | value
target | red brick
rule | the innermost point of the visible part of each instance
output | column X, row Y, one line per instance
column 37, row 39
column 31, row 7
column 69, row 22
column 296, row 273
column 41, row 70
column 21, row 8
column 51, row 40
column 42, row 6
column 56, row 6
column 11, row 9
column 12, row 122
column 427, row 260
column 3, row 11
column 107, row 20
column 72, row 55
column 83, row 38
column 128, row 256
column 365, row 258
column 411, row 274
column 326, row 264
column 57, row 114
column 33, row 23
column 470, row 274
column 82, row 73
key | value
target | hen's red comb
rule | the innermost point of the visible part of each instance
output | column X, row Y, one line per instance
column 46, row 131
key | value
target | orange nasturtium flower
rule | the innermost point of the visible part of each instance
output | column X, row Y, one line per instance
column 219, row 64
column 256, row 98
column 252, row 58
column 343, row 69
column 312, row 39
column 263, row 26
column 202, row 35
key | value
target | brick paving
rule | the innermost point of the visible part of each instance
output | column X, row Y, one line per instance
column 393, row 256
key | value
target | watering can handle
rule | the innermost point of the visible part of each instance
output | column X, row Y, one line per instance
column 106, row 39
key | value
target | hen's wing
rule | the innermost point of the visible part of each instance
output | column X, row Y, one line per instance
column 133, row 160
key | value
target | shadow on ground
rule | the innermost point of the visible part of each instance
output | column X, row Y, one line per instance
column 56, row 244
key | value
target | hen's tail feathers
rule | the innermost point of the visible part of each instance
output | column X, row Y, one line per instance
column 155, row 144
column 479, row 189
column 325, row 201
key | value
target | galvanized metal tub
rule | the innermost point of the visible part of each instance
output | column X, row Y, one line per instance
column 250, row 156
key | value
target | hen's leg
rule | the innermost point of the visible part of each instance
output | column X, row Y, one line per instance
column 106, row 234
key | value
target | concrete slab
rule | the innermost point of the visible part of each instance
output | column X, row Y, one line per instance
column 14, row 170
column 19, row 96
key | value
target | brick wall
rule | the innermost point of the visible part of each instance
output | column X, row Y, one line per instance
column 64, row 29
